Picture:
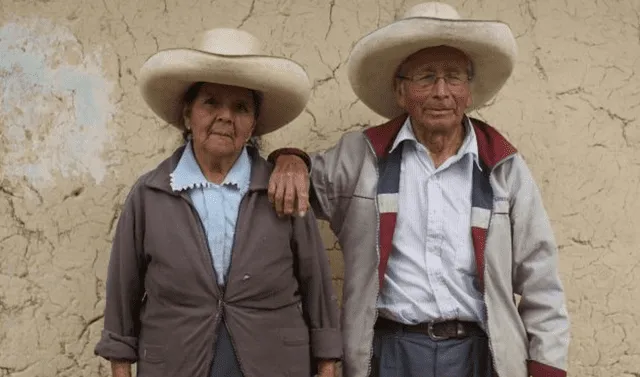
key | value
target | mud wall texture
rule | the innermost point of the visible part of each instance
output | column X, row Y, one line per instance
column 75, row 135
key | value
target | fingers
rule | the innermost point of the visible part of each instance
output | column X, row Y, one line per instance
column 288, row 189
column 289, row 194
column 271, row 193
column 276, row 188
column 278, row 197
column 302, row 195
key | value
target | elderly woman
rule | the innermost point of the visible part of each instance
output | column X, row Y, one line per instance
column 204, row 279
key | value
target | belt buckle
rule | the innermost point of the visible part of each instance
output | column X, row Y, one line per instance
column 432, row 335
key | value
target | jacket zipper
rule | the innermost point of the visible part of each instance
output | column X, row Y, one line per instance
column 216, row 321
column 375, row 317
column 484, row 290
column 233, row 342
column 203, row 242
column 235, row 349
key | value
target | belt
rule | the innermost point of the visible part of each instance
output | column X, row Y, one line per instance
column 442, row 330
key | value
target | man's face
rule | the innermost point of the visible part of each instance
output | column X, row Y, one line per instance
column 434, row 87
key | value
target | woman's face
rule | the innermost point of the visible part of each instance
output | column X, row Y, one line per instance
column 222, row 119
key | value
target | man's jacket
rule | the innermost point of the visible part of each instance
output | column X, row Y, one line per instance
column 515, row 250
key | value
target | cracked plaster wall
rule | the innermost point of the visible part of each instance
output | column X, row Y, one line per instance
column 75, row 134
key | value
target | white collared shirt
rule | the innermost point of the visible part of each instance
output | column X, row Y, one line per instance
column 431, row 271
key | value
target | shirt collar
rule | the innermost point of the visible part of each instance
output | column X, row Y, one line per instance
column 469, row 144
column 188, row 175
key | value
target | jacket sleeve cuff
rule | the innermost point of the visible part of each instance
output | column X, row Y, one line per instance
column 537, row 369
column 117, row 347
column 326, row 344
column 294, row 151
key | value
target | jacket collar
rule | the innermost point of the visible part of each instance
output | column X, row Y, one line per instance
column 469, row 143
column 160, row 177
column 492, row 146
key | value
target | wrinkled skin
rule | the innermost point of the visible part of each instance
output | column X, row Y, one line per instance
column 221, row 119
column 289, row 186
column 437, row 111
column 436, row 114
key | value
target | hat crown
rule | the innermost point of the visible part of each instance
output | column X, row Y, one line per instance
column 226, row 41
column 432, row 9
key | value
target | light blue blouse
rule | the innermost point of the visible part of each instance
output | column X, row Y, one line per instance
column 217, row 205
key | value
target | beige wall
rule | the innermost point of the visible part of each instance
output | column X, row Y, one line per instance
column 75, row 134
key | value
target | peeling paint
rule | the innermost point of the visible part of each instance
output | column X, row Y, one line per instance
column 55, row 104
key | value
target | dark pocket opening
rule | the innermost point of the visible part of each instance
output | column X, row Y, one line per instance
column 152, row 354
column 294, row 336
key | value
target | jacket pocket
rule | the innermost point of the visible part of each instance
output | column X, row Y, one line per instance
column 500, row 223
column 294, row 336
column 152, row 360
column 296, row 357
column 152, row 353
column 499, row 253
column 501, row 206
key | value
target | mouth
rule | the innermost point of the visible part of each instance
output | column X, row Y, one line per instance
column 220, row 133
column 439, row 111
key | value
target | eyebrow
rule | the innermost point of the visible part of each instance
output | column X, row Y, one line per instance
column 445, row 69
column 208, row 94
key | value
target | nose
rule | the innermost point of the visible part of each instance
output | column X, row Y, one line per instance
column 225, row 113
column 440, row 88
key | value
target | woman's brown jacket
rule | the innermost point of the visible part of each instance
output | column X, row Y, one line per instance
column 163, row 303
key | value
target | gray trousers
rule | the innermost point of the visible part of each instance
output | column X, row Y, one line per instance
column 406, row 354
column 225, row 362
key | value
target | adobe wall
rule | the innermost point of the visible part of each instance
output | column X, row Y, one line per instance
column 75, row 134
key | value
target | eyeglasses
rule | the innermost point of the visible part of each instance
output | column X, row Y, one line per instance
column 424, row 82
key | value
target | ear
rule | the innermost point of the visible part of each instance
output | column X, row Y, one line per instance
column 185, row 118
column 400, row 94
column 469, row 100
column 253, row 126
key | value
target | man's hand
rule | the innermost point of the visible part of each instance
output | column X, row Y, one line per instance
column 120, row 369
column 326, row 368
column 289, row 186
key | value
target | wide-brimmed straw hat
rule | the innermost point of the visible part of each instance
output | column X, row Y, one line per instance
column 230, row 57
column 375, row 58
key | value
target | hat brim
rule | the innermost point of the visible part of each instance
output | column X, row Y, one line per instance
column 374, row 59
column 166, row 76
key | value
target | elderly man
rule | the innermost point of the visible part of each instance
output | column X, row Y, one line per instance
column 441, row 224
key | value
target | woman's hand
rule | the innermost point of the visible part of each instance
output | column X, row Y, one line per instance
column 326, row 368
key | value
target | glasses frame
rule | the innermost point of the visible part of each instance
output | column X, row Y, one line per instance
column 452, row 80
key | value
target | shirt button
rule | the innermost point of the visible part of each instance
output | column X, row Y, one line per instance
column 246, row 277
